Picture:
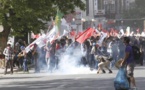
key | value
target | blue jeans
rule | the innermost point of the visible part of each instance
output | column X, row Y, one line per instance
column 25, row 67
column 92, row 61
column 96, row 64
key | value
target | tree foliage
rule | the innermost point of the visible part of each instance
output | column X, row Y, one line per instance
column 23, row 16
column 30, row 15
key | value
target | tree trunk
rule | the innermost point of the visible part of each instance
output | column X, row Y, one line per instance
column 4, row 38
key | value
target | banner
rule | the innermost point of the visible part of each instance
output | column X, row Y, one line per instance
column 103, row 35
column 41, row 41
column 52, row 35
column 122, row 33
column 128, row 31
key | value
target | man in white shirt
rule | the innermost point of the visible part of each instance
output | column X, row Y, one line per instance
column 8, row 52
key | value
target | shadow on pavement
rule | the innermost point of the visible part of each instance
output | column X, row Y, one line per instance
column 6, row 78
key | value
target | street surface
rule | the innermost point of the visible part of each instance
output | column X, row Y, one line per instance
column 83, row 81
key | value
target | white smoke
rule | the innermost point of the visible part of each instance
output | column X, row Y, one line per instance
column 70, row 63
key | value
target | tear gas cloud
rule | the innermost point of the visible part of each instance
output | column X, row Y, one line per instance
column 70, row 63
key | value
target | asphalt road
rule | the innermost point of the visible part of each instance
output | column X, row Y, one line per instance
column 82, row 81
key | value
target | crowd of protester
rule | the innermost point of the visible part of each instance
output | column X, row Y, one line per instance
column 93, row 56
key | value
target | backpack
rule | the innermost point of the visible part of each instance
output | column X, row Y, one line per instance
column 136, row 52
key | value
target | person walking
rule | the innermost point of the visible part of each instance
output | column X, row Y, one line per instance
column 128, row 61
column 8, row 52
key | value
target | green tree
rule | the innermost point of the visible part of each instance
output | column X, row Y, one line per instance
column 23, row 16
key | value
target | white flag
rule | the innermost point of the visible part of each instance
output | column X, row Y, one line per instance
column 41, row 41
column 102, row 37
column 143, row 34
column 97, row 31
column 52, row 34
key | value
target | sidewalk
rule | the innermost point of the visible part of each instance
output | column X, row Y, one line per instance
column 15, row 69
column 8, row 70
column 1, row 71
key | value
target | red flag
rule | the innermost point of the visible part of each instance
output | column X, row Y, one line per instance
column 73, row 33
column 78, row 34
column 85, row 35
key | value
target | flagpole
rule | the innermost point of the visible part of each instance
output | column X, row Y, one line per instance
column 28, row 37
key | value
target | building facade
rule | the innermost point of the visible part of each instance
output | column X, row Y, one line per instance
column 102, row 11
column 122, row 5
column 95, row 13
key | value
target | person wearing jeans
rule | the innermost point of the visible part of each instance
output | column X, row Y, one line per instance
column 25, row 66
column 23, row 54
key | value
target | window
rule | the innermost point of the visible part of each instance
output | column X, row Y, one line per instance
column 100, row 4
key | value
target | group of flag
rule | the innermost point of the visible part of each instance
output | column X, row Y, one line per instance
column 80, row 37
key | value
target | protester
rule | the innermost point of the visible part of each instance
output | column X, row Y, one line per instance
column 8, row 52
column 47, row 55
column 23, row 55
column 128, row 60
column 18, row 61
column 103, row 63
column 92, row 53
column 52, row 56
column 35, row 58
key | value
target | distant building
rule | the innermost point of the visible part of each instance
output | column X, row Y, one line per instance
column 102, row 11
column 95, row 13
column 110, row 9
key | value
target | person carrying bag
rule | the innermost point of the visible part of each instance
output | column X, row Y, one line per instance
column 121, row 81
column 128, row 62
